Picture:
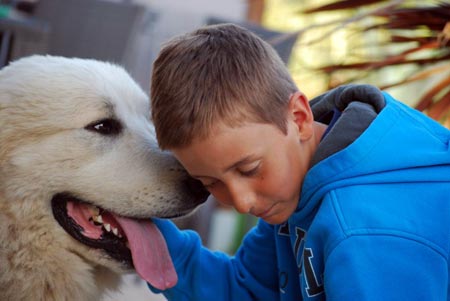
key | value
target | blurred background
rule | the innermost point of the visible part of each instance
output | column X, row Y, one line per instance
column 399, row 46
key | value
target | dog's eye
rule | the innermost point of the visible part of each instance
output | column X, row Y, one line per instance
column 105, row 127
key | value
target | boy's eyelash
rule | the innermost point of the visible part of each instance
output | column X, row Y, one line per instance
column 247, row 173
column 250, row 172
column 209, row 185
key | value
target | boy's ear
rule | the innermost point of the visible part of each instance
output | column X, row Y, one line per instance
column 300, row 113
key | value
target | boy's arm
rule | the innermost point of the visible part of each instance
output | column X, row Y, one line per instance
column 207, row 275
column 385, row 268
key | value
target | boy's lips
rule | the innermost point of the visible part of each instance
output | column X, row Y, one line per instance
column 266, row 213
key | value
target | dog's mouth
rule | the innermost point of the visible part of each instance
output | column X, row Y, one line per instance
column 133, row 242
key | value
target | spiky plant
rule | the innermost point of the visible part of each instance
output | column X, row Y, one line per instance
column 417, row 35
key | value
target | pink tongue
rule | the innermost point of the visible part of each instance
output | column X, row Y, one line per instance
column 151, row 257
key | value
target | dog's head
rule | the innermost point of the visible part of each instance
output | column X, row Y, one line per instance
column 78, row 152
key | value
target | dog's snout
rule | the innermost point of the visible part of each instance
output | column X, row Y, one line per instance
column 196, row 189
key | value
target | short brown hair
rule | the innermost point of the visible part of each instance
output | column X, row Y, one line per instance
column 218, row 73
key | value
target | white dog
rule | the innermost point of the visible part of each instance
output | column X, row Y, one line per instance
column 80, row 175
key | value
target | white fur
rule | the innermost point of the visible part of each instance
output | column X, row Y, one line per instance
column 45, row 104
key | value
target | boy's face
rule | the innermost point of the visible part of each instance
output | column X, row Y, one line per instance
column 255, row 168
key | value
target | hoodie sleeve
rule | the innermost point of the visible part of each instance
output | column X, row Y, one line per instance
column 208, row 275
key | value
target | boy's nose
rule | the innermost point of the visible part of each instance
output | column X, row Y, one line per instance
column 242, row 198
column 243, row 205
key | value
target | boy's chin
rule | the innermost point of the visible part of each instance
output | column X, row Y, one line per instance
column 276, row 219
column 283, row 211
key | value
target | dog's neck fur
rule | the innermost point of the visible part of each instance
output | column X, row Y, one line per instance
column 36, row 268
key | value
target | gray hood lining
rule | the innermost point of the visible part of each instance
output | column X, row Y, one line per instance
column 359, row 106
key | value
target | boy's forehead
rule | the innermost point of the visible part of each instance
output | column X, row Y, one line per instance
column 225, row 147
column 212, row 152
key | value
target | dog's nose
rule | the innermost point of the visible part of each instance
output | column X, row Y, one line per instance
column 196, row 189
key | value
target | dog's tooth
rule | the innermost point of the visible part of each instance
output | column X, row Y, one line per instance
column 115, row 231
column 107, row 227
column 99, row 219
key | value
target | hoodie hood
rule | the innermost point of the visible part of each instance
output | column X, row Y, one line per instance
column 376, row 139
column 348, row 110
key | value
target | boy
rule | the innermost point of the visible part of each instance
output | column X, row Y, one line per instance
column 353, row 195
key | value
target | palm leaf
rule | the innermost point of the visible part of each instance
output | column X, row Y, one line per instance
column 440, row 108
column 426, row 101
column 339, row 5
column 424, row 32
column 422, row 75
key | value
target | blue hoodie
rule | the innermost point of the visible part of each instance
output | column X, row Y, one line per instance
column 372, row 223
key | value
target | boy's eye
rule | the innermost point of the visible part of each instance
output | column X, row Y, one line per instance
column 252, row 170
column 210, row 185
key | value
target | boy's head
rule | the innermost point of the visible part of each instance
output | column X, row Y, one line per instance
column 221, row 73
column 224, row 104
